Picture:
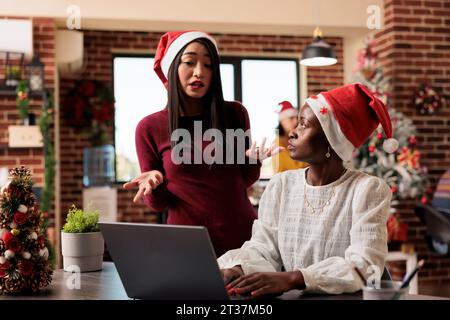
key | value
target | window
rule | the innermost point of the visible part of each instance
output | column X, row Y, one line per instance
column 260, row 83
column 138, row 93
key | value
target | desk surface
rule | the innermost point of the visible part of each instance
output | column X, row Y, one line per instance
column 106, row 285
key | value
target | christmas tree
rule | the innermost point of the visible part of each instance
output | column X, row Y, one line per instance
column 24, row 253
column 401, row 170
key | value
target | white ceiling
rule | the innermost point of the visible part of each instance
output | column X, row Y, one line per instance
column 336, row 17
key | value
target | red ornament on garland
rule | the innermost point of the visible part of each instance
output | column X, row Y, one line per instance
column 412, row 141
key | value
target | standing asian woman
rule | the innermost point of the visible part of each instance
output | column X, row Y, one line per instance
column 196, row 191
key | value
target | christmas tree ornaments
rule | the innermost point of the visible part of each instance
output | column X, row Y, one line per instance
column 24, row 248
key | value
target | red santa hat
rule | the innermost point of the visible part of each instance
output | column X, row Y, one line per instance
column 168, row 47
column 286, row 111
column 348, row 116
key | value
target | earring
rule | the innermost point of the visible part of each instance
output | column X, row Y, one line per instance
column 327, row 155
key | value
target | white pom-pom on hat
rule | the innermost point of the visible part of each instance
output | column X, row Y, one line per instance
column 390, row 145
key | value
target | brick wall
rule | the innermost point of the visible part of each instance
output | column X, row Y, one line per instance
column 44, row 46
column 99, row 45
column 414, row 48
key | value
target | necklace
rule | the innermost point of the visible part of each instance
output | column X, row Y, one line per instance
column 327, row 203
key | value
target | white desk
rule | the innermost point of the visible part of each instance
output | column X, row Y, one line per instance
column 411, row 262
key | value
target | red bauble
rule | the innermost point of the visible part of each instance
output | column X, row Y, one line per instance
column 41, row 241
column 7, row 236
column 20, row 217
column 11, row 242
column 25, row 267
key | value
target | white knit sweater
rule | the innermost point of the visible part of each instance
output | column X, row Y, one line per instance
column 323, row 245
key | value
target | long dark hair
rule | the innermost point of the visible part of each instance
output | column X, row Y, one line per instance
column 215, row 117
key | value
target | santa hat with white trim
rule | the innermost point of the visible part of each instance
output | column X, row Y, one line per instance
column 168, row 47
column 286, row 111
column 348, row 116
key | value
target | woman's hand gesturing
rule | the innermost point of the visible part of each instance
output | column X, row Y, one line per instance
column 260, row 153
column 146, row 181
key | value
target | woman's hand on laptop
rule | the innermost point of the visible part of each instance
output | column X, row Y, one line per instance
column 146, row 182
column 231, row 274
column 266, row 283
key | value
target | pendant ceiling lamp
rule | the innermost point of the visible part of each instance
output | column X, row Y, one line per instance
column 319, row 53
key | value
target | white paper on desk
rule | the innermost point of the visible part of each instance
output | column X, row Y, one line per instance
column 103, row 199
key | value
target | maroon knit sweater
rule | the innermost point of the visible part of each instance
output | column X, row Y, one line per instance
column 199, row 194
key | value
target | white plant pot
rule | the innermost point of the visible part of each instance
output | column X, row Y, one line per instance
column 84, row 250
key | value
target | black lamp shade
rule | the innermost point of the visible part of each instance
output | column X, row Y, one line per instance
column 319, row 53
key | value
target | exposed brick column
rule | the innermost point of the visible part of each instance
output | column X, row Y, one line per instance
column 414, row 47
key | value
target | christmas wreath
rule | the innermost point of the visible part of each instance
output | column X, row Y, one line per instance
column 427, row 99
column 90, row 106
column 24, row 249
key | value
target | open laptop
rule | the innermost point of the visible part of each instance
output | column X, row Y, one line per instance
column 164, row 262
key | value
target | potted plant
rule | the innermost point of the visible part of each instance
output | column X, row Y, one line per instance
column 82, row 243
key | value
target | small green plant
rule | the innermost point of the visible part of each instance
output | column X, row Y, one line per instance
column 81, row 221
